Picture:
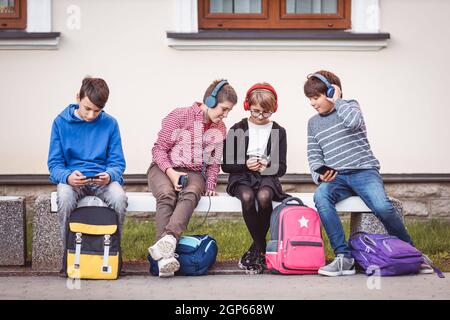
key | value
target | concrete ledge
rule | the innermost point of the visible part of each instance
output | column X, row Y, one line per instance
column 289, row 178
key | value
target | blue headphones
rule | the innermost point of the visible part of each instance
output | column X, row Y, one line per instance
column 211, row 100
column 330, row 89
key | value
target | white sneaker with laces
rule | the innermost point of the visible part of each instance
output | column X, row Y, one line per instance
column 168, row 267
column 164, row 248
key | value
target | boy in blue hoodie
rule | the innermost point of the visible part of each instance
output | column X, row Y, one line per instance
column 85, row 155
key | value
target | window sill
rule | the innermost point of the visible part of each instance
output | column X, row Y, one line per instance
column 277, row 40
column 22, row 40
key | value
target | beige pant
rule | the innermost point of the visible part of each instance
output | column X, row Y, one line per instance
column 174, row 209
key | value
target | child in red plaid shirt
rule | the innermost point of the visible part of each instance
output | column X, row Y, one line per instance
column 190, row 145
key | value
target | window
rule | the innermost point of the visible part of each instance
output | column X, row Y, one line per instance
column 13, row 14
column 274, row 14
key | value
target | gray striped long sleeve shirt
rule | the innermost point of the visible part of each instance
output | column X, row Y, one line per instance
column 339, row 140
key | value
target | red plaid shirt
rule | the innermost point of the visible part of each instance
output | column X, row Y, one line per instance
column 184, row 141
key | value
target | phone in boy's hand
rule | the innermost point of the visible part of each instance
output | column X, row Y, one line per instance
column 92, row 177
column 182, row 181
column 323, row 169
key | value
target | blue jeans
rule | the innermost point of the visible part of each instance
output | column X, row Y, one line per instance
column 112, row 194
column 369, row 186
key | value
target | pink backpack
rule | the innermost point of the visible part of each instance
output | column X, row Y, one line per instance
column 296, row 245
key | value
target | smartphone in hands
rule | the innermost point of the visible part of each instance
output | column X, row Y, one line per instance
column 92, row 177
column 259, row 157
column 182, row 181
column 323, row 169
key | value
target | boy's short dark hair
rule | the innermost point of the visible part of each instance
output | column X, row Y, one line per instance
column 315, row 87
column 226, row 93
column 96, row 90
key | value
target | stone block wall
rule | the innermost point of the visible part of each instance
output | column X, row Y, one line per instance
column 431, row 200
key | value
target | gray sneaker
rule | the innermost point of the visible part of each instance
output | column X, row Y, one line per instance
column 341, row 266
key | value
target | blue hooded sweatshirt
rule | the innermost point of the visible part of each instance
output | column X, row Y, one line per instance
column 89, row 147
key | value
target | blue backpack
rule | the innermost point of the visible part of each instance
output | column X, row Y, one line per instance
column 196, row 254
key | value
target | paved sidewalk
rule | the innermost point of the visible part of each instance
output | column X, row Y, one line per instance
column 233, row 287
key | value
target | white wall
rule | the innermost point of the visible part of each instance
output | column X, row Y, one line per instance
column 402, row 89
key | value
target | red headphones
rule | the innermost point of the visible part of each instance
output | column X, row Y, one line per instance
column 260, row 86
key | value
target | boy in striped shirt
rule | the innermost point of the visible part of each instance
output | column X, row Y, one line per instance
column 337, row 138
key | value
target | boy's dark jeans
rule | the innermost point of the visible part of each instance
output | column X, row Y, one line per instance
column 369, row 186
column 112, row 194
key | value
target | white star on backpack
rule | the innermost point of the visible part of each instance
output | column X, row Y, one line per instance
column 303, row 222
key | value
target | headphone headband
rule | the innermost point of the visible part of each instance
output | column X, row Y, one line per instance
column 330, row 89
column 260, row 86
column 211, row 100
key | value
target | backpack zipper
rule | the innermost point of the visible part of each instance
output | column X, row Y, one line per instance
column 209, row 244
column 306, row 243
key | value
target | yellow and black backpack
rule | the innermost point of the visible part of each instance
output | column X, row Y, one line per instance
column 93, row 244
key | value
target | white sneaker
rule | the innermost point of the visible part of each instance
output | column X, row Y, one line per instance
column 164, row 248
column 168, row 267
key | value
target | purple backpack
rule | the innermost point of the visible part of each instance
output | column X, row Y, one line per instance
column 384, row 255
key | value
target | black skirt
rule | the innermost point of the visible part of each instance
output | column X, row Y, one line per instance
column 255, row 181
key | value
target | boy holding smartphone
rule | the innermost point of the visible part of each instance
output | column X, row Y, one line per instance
column 85, row 155
column 337, row 138
column 185, row 165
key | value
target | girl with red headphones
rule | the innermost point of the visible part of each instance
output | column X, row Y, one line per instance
column 254, row 155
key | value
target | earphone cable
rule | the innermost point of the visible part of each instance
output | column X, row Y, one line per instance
column 204, row 219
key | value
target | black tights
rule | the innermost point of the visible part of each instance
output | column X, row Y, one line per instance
column 258, row 222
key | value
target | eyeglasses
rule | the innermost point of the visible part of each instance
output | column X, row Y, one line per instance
column 256, row 114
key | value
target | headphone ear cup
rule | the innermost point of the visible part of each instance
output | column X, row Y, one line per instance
column 210, row 102
column 330, row 92
column 246, row 106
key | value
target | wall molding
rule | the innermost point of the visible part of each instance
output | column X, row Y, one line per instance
column 290, row 178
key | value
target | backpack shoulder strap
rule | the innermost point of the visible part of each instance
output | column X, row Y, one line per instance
column 432, row 265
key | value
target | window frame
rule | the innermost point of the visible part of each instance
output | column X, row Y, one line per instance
column 16, row 20
column 274, row 16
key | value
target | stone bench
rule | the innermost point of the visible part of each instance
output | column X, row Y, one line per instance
column 13, row 236
column 47, row 251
